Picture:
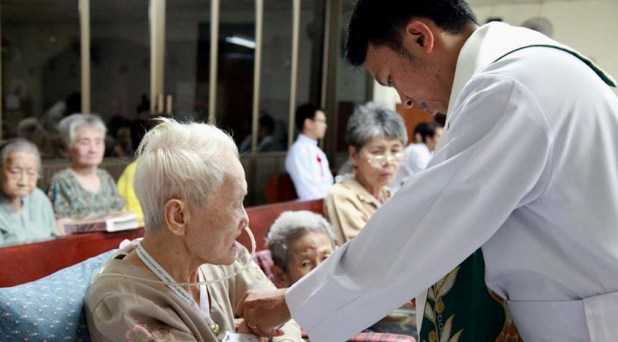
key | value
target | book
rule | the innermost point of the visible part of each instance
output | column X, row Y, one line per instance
column 108, row 223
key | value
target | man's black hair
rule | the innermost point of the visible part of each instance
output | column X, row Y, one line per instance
column 380, row 22
column 427, row 130
column 303, row 112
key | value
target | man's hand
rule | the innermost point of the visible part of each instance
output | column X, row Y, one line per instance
column 264, row 311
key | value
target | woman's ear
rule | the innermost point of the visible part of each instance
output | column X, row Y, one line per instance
column 176, row 216
column 353, row 155
column 418, row 35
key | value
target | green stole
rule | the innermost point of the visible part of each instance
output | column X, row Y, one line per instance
column 460, row 307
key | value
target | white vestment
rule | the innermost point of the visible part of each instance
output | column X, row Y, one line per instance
column 528, row 170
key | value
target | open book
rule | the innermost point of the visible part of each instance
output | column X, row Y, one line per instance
column 111, row 223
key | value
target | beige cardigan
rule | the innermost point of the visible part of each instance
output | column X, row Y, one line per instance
column 348, row 206
column 120, row 309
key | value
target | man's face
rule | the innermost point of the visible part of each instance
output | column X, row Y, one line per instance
column 214, row 227
column 305, row 254
column 316, row 128
column 415, row 81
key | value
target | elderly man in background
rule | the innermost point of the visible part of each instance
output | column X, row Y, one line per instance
column 26, row 214
column 182, row 281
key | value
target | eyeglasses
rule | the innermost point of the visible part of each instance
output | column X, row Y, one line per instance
column 381, row 158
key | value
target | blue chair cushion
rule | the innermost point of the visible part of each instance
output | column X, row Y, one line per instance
column 50, row 308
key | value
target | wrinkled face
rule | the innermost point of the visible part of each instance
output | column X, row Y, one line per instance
column 416, row 83
column 316, row 128
column 88, row 147
column 378, row 161
column 432, row 142
column 213, row 228
column 305, row 254
column 20, row 173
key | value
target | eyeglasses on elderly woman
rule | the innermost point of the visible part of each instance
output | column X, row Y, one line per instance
column 380, row 158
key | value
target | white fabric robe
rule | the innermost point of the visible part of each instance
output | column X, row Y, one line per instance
column 528, row 170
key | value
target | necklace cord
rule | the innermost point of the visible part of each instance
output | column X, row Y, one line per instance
column 99, row 273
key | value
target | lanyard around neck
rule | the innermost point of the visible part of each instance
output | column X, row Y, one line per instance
column 179, row 291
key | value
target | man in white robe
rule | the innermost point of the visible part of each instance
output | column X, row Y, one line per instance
column 527, row 170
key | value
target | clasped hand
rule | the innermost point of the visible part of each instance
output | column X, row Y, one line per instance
column 264, row 311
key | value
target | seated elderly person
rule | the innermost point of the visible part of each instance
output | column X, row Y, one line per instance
column 25, row 212
column 298, row 242
column 83, row 190
column 376, row 137
column 182, row 281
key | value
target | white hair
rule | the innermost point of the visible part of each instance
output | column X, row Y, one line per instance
column 184, row 161
column 290, row 226
column 19, row 145
column 69, row 126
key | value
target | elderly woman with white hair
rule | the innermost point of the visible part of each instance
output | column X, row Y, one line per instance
column 376, row 137
column 183, row 280
column 298, row 242
column 25, row 212
column 83, row 190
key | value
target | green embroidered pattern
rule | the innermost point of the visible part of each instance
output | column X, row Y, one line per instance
column 460, row 308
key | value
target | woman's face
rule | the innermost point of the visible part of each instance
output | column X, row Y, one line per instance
column 20, row 173
column 377, row 161
column 306, row 253
column 88, row 147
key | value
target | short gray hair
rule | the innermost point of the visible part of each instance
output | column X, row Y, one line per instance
column 19, row 145
column 185, row 161
column 69, row 126
column 374, row 120
column 290, row 226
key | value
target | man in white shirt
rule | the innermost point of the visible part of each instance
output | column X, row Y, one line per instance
column 305, row 161
column 527, row 171
column 419, row 153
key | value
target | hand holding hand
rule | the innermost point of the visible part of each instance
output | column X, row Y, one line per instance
column 264, row 311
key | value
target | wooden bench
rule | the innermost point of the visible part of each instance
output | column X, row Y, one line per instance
column 27, row 262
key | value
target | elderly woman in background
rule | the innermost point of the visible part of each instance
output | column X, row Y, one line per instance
column 298, row 242
column 25, row 212
column 149, row 290
column 376, row 138
column 83, row 189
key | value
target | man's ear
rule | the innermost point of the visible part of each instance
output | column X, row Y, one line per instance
column 418, row 34
column 176, row 216
column 280, row 276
